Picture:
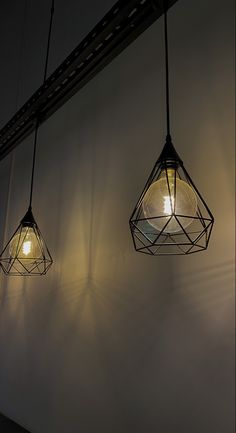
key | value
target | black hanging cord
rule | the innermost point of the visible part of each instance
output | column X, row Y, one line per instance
column 33, row 163
column 21, row 51
column 37, row 121
column 167, row 70
column 48, row 44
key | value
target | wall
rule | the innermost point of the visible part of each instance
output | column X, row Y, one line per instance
column 112, row 341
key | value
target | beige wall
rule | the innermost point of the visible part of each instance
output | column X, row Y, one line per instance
column 112, row 341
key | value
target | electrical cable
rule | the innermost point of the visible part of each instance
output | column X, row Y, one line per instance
column 37, row 119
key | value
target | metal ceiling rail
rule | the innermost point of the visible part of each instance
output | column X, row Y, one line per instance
column 125, row 21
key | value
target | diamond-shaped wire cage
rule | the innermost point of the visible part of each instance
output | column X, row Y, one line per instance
column 158, row 224
column 26, row 253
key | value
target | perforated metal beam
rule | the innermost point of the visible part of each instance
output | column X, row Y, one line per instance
column 125, row 21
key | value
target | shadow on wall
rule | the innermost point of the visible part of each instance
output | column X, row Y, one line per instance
column 204, row 296
column 116, row 326
column 98, row 331
column 204, row 287
column 85, row 328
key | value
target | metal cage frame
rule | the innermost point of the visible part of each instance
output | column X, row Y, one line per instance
column 16, row 264
column 187, row 240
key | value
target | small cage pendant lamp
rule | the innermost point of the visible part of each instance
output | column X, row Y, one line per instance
column 26, row 253
column 170, row 217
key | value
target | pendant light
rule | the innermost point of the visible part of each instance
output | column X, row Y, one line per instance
column 26, row 253
column 170, row 217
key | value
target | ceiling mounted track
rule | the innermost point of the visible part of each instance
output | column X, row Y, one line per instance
column 125, row 21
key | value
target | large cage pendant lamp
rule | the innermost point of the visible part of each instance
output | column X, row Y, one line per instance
column 170, row 217
column 26, row 253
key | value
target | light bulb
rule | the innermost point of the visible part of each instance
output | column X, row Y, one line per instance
column 163, row 201
column 25, row 244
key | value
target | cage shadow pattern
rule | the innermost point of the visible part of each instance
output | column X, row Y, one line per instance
column 170, row 231
column 26, row 253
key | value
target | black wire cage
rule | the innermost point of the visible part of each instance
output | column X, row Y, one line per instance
column 170, row 217
column 26, row 252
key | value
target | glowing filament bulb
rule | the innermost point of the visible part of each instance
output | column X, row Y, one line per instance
column 26, row 248
column 168, row 203
column 166, row 197
column 25, row 244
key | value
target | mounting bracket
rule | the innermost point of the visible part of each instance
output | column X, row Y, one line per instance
column 124, row 22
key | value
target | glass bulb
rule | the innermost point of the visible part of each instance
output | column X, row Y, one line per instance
column 25, row 244
column 161, row 201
